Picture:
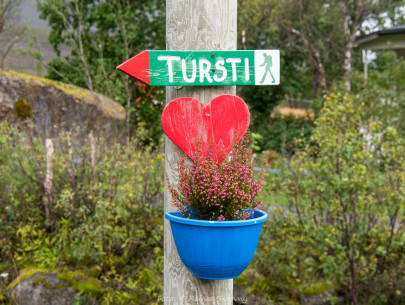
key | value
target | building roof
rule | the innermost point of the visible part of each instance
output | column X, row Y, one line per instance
column 388, row 39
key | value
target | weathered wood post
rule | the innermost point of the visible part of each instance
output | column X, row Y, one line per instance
column 194, row 25
column 203, row 31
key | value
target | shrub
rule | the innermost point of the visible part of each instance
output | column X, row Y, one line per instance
column 344, row 223
column 383, row 93
column 280, row 133
column 104, row 218
column 350, row 202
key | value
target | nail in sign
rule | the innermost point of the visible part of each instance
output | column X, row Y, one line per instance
column 205, row 68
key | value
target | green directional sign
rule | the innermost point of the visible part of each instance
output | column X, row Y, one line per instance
column 205, row 68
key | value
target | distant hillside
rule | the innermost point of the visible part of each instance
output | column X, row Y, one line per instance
column 37, row 28
column 30, row 15
column 26, row 63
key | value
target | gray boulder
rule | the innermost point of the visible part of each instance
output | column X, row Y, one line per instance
column 42, row 289
column 57, row 107
column 46, row 288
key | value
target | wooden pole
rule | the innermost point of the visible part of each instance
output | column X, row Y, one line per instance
column 194, row 25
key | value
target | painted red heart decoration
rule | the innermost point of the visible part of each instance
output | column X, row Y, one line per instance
column 186, row 120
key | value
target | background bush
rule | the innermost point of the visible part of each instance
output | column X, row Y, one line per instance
column 105, row 214
column 343, row 222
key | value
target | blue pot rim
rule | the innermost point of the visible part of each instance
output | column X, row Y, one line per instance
column 259, row 217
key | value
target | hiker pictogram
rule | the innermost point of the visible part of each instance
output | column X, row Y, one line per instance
column 267, row 63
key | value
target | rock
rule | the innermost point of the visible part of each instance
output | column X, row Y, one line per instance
column 59, row 107
column 44, row 288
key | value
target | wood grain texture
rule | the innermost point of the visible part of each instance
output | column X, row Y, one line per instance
column 194, row 25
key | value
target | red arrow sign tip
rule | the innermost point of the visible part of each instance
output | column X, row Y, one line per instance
column 137, row 67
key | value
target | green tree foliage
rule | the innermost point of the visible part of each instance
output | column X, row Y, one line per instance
column 282, row 131
column 316, row 43
column 100, row 35
column 384, row 92
column 318, row 35
column 105, row 213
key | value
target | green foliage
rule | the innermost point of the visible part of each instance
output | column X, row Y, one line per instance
column 255, row 18
column 101, row 35
column 255, row 138
column 105, row 215
column 23, row 109
column 344, row 220
column 261, row 101
column 311, row 36
column 82, row 283
column 383, row 93
column 282, row 131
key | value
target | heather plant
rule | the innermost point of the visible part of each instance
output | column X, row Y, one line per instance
column 209, row 190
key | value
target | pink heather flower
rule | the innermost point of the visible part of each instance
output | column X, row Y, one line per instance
column 224, row 189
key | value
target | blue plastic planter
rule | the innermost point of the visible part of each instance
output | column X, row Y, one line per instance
column 216, row 250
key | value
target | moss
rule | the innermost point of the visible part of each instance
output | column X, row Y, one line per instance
column 82, row 283
column 60, row 286
column 109, row 108
column 41, row 280
column 316, row 289
column 78, row 280
column 26, row 273
column 74, row 91
column 23, row 109
column 94, row 271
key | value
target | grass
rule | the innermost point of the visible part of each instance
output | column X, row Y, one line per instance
column 298, row 113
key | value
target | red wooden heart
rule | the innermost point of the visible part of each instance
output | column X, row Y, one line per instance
column 186, row 120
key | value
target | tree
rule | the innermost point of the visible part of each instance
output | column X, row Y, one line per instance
column 354, row 13
column 321, row 31
column 255, row 20
column 10, row 33
column 383, row 93
column 302, row 30
column 101, row 35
